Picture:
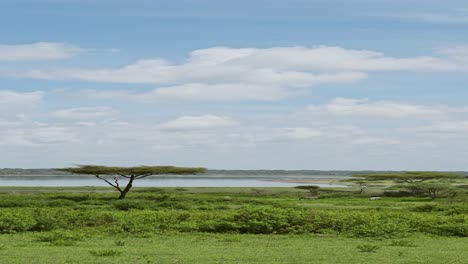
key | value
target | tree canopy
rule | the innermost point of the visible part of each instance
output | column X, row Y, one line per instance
column 409, row 177
column 130, row 173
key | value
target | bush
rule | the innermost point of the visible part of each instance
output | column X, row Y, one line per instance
column 269, row 221
column 60, row 238
column 402, row 243
column 105, row 253
column 397, row 193
column 368, row 248
column 431, row 189
column 16, row 221
column 126, row 205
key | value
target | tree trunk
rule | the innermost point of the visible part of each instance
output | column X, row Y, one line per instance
column 124, row 192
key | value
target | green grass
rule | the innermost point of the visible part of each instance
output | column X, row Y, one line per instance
column 233, row 248
column 223, row 225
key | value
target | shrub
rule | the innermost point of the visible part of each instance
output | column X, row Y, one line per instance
column 269, row 220
column 105, row 253
column 16, row 221
column 60, row 238
column 126, row 205
column 368, row 248
column 402, row 243
column 119, row 243
column 313, row 189
column 431, row 189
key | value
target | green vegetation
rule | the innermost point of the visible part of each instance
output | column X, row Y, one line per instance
column 130, row 173
column 199, row 248
column 235, row 225
column 410, row 176
column 234, row 210
column 425, row 184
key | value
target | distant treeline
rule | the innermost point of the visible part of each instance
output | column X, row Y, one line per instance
column 51, row 172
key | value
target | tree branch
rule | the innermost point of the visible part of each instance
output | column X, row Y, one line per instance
column 142, row 176
column 116, row 185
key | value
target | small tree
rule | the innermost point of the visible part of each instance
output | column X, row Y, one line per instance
column 130, row 173
column 431, row 184
column 431, row 189
column 362, row 184
column 409, row 177
column 313, row 189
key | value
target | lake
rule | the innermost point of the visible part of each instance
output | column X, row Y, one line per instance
column 73, row 181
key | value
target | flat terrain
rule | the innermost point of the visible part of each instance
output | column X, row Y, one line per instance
column 233, row 248
column 229, row 225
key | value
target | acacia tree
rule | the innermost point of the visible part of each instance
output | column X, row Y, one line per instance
column 313, row 189
column 112, row 175
column 410, row 176
column 431, row 184
column 431, row 189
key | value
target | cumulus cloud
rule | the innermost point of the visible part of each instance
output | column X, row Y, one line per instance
column 196, row 92
column 303, row 132
column 458, row 128
column 286, row 139
column 10, row 97
column 373, row 141
column 31, row 135
column 252, row 90
column 198, row 123
column 235, row 74
column 271, row 65
column 38, row 51
column 84, row 113
column 385, row 109
column 51, row 134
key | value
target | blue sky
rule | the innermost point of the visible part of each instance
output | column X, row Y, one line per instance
column 240, row 85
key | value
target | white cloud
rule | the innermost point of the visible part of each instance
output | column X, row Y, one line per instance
column 9, row 97
column 198, row 123
column 38, row 51
column 36, row 135
column 234, row 74
column 51, row 134
column 277, row 65
column 373, row 141
column 310, row 139
column 225, row 91
column 457, row 53
column 459, row 127
column 303, row 132
column 384, row 109
column 85, row 113
column 196, row 92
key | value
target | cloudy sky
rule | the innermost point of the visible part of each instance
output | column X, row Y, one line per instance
column 317, row 84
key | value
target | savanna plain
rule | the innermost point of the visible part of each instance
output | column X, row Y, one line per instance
column 234, row 225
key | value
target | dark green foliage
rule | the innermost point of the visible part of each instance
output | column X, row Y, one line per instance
column 61, row 238
column 313, row 189
column 430, row 189
column 402, row 243
column 119, row 243
column 410, row 177
column 105, row 253
column 368, row 248
column 12, row 221
column 130, row 173
column 233, row 211
column 394, row 193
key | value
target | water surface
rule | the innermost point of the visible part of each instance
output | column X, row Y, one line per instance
column 73, row 181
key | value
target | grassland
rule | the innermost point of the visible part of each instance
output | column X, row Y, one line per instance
column 229, row 225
